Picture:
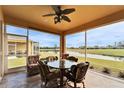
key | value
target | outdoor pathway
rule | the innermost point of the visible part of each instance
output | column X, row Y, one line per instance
column 98, row 80
column 96, row 56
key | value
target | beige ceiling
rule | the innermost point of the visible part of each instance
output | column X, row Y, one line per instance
column 83, row 14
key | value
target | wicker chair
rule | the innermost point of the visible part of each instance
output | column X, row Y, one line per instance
column 46, row 74
column 64, row 56
column 72, row 58
column 77, row 73
column 32, row 66
column 56, row 58
column 52, row 58
column 45, row 60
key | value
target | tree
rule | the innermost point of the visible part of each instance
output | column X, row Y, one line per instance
column 81, row 47
column 96, row 46
column 109, row 46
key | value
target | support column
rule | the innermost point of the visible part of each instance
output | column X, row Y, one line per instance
column 27, row 45
column 15, row 48
column 85, row 46
column 5, row 50
column 62, row 44
column 1, row 50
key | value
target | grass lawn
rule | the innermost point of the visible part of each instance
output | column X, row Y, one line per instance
column 104, row 63
column 108, row 52
column 16, row 62
column 46, row 54
column 114, row 66
column 99, row 64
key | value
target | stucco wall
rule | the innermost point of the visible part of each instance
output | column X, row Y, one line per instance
column 21, row 47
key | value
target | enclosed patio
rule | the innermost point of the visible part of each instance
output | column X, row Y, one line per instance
column 37, row 38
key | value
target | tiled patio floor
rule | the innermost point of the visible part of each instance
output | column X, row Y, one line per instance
column 93, row 80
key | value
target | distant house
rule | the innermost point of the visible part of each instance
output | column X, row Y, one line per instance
column 17, row 46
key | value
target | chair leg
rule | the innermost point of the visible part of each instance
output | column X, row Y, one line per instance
column 83, row 84
column 45, row 83
column 75, row 84
column 69, row 85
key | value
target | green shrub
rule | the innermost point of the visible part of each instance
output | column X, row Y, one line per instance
column 106, row 70
column 121, row 74
column 91, row 67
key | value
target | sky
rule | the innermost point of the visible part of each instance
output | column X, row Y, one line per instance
column 102, row 36
column 44, row 39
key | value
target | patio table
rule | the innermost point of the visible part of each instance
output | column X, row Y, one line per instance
column 62, row 65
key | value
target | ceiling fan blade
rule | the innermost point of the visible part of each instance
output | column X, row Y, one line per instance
column 68, row 11
column 56, row 8
column 48, row 15
column 66, row 18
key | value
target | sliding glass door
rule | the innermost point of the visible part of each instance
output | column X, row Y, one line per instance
column 35, row 42
column 16, row 46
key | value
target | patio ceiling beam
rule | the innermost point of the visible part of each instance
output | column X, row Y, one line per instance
column 22, row 23
column 114, row 17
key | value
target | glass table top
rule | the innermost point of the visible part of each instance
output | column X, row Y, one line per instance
column 66, row 64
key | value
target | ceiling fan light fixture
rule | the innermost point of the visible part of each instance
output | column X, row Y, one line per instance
column 60, row 14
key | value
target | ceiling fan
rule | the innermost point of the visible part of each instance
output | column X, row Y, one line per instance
column 60, row 14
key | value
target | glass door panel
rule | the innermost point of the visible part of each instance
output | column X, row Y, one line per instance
column 16, row 46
